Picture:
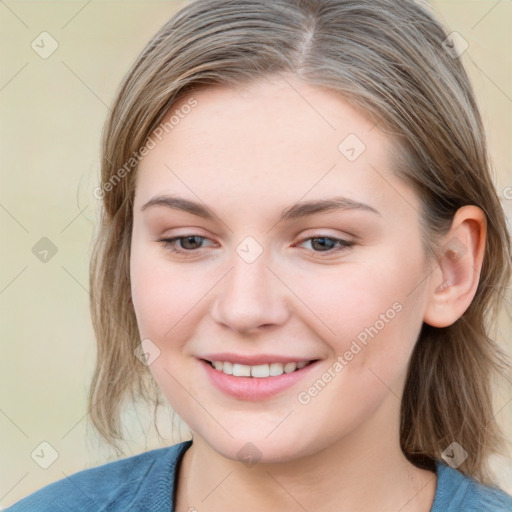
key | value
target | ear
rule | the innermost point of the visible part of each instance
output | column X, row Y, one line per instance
column 454, row 282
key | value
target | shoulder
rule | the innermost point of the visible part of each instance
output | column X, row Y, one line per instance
column 120, row 485
column 458, row 492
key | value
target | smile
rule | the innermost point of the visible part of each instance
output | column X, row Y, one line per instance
column 256, row 382
column 258, row 371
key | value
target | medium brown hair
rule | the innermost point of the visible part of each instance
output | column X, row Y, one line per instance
column 389, row 59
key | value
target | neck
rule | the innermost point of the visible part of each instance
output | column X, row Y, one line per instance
column 358, row 472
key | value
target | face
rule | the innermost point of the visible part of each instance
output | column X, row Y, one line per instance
column 258, row 271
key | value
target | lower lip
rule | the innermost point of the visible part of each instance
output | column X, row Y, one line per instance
column 255, row 388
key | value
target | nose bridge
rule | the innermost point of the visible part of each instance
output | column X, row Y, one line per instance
column 250, row 296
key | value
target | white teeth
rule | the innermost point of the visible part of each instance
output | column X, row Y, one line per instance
column 258, row 371
column 227, row 368
column 276, row 369
column 240, row 370
column 261, row 370
column 290, row 367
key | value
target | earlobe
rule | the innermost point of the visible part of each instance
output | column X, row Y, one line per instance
column 452, row 286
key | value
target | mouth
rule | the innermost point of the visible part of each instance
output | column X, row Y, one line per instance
column 260, row 370
column 257, row 382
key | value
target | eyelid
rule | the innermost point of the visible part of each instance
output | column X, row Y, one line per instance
column 343, row 244
column 169, row 244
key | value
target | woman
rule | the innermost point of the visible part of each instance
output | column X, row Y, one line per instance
column 302, row 243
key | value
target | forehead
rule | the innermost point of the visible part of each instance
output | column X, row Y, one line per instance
column 280, row 139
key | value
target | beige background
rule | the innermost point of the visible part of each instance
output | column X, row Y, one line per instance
column 52, row 111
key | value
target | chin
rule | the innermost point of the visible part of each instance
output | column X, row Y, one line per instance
column 253, row 449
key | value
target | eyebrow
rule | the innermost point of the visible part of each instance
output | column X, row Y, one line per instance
column 295, row 211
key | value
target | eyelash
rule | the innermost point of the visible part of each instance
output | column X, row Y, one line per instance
column 169, row 244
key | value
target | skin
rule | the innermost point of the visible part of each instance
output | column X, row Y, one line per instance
column 248, row 154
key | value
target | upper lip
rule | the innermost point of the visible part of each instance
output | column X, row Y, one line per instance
column 253, row 360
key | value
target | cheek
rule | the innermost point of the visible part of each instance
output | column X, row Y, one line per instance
column 151, row 298
column 160, row 298
column 374, row 318
column 370, row 310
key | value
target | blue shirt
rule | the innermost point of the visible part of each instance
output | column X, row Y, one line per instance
column 146, row 483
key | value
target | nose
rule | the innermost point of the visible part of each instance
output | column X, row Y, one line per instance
column 250, row 298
